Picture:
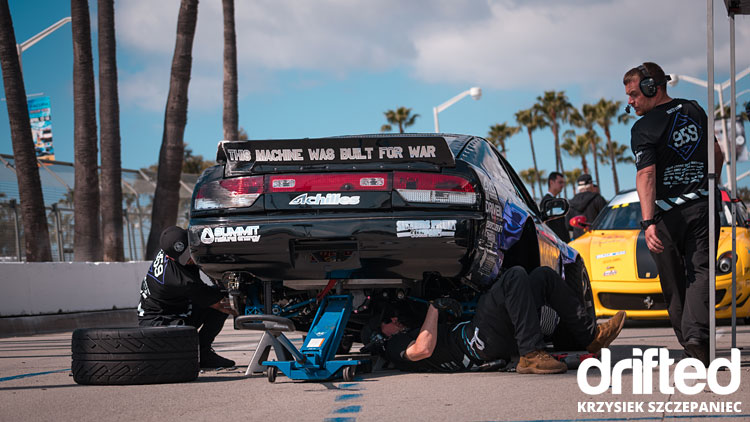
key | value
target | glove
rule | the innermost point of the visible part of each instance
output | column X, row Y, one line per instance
column 376, row 345
column 447, row 304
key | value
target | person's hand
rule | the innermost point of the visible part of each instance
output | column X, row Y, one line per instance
column 448, row 304
column 652, row 240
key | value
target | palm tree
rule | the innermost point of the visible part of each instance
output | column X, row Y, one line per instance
column 571, row 177
column 531, row 176
column 109, row 118
column 402, row 116
column 499, row 133
column 555, row 108
column 87, row 235
column 531, row 120
column 587, row 120
column 230, row 73
column 166, row 196
column 576, row 146
column 621, row 154
column 36, row 233
column 606, row 110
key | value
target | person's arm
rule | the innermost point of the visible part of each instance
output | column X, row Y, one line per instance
column 645, row 182
column 424, row 345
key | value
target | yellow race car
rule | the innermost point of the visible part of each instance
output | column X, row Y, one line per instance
column 624, row 276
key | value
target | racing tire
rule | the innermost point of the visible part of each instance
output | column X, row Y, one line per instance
column 137, row 355
column 577, row 277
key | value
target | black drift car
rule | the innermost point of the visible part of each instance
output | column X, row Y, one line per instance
column 390, row 216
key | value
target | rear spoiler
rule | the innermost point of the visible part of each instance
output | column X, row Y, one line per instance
column 246, row 157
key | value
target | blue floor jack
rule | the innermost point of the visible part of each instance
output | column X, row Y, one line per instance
column 315, row 361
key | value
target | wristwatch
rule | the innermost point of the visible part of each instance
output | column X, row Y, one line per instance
column 646, row 223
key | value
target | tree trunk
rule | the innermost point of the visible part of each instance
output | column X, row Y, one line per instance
column 87, row 240
column 612, row 159
column 536, row 169
column 109, row 119
column 596, row 162
column 558, row 157
column 231, row 118
column 36, row 233
column 166, row 197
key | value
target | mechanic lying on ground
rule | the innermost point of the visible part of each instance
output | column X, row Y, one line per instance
column 506, row 324
column 172, row 293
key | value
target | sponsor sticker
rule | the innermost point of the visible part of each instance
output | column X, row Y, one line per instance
column 327, row 199
column 230, row 234
column 607, row 255
column 315, row 342
column 426, row 228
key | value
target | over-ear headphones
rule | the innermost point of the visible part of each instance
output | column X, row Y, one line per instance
column 648, row 85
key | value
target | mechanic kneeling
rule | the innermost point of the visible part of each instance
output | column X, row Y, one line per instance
column 173, row 294
column 506, row 324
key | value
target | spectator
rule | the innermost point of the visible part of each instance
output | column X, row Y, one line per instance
column 587, row 203
column 555, row 184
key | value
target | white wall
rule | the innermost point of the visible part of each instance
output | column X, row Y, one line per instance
column 35, row 288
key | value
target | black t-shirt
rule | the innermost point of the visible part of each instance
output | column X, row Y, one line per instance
column 673, row 136
column 448, row 355
column 170, row 290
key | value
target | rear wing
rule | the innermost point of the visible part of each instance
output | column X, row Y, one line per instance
column 364, row 153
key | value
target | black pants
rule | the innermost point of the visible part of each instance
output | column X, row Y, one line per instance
column 506, row 323
column 208, row 322
column 683, row 268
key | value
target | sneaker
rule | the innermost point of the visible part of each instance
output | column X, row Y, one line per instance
column 607, row 332
column 540, row 362
column 209, row 359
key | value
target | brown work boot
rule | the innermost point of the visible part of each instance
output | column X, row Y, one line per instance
column 607, row 332
column 540, row 362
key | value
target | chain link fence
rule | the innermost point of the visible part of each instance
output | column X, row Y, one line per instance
column 58, row 183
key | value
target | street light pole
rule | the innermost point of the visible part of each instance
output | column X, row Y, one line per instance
column 20, row 48
column 475, row 92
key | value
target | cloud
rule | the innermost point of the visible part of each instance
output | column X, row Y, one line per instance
column 499, row 44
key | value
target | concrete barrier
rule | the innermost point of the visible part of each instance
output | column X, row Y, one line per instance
column 43, row 288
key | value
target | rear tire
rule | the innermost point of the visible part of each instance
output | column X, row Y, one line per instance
column 137, row 355
column 578, row 278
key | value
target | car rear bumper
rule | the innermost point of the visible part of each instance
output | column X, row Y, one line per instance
column 353, row 245
column 644, row 299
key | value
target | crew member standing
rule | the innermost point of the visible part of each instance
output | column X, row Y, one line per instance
column 671, row 155
column 555, row 184
column 173, row 294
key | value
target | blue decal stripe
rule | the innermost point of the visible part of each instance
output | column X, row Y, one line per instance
column 32, row 375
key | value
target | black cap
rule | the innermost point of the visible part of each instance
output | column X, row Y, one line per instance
column 585, row 179
column 174, row 241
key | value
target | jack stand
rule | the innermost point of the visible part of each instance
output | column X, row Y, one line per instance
column 315, row 360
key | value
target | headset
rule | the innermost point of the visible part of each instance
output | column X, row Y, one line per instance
column 648, row 85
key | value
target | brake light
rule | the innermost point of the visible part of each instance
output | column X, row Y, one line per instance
column 237, row 192
column 434, row 188
column 330, row 182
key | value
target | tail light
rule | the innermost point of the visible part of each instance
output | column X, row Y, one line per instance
column 237, row 192
column 329, row 182
column 433, row 188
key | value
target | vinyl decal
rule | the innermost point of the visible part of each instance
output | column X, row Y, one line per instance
column 607, row 255
column 426, row 228
column 230, row 234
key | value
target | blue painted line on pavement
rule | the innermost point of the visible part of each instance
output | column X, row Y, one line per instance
column 33, row 374
column 345, row 397
column 345, row 386
column 339, row 420
column 348, row 409
column 640, row 418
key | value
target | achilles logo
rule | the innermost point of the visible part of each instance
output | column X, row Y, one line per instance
column 328, row 199
column 643, row 373
column 230, row 234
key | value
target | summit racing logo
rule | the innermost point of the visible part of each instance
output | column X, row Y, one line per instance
column 328, row 199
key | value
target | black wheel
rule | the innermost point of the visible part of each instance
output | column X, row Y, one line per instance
column 349, row 373
column 137, row 355
column 578, row 278
column 272, row 372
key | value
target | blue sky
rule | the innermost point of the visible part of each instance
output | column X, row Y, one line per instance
column 332, row 67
